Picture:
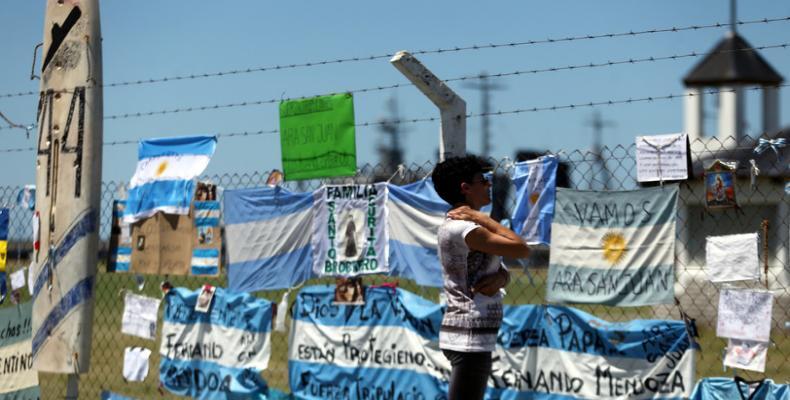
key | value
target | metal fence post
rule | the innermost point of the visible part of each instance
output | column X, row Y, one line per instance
column 452, row 108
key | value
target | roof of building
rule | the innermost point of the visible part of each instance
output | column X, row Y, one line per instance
column 733, row 61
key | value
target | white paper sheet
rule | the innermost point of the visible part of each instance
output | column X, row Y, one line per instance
column 135, row 364
column 672, row 152
column 30, row 281
column 745, row 314
column 18, row 279
column 139, row 316
column 732, row 258
column 746, row 354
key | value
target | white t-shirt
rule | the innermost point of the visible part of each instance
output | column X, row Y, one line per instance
column 471, row 321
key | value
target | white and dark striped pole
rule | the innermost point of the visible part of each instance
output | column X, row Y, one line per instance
column 68, row 181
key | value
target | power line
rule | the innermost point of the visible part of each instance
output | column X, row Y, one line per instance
column 462, row 78
column 451, row 49
column 573, row 67
column 630, row 100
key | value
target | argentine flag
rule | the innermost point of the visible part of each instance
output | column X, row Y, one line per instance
column 164, row 179
column 536, row 185
column 269, row 231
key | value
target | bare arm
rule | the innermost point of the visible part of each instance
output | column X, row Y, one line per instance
column 490, row 284
column 494, row 238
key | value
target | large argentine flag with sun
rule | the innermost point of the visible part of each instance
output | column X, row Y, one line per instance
column 614, row 248
column 164, row 179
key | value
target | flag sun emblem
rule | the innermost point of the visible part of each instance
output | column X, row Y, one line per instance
column 161, row 168
column 613, row 244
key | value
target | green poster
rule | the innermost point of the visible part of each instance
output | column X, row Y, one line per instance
column 317, row 137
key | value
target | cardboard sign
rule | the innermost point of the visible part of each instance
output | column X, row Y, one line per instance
column 317, row 137
column 167, row 244
column 162, row 244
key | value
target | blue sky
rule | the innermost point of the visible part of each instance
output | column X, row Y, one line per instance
column 157, row 39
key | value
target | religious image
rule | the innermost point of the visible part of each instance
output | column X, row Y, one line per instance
column 720, row 185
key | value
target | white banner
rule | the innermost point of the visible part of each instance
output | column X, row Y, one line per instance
column 350, row 230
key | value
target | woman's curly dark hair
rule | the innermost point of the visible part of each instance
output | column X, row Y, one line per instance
column 450, row 173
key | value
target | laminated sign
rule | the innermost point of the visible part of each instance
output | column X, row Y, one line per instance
column 350, row 230
column 317, row 137
column 614, row 248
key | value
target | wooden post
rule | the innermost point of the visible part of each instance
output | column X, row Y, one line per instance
column 452, row 108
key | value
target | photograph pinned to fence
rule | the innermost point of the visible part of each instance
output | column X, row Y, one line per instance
column 204, row 298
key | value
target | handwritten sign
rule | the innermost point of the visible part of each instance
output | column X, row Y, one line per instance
column 615, row 248
column 661, row 158
column 745, row 314
column 350, row 230
column 216, row 354
column 317, row 137
column 139, row 316
column 388, row 348
column 18, row 379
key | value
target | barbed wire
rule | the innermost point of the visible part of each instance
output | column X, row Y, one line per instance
column 451, row 49
column 630, row 100
column 629, row 61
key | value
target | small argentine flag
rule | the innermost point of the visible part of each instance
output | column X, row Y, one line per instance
column 164, row 179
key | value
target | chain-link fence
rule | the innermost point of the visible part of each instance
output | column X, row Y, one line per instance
column 763, row 207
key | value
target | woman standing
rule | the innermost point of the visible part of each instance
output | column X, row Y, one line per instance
column 470, row 244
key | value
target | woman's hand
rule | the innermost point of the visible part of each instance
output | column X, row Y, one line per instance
column 489, row 285
column 466, row 213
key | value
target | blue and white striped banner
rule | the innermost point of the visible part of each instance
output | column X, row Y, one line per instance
column 388, row 348
column 164, row 178
column 269, row 231
column 121, row 254
column 218, row 354
column 205, row 262
column 536, row 185
column 206, row 213
column 614, row 248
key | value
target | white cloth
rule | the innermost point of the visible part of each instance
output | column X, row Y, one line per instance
column 732, row 258
column 745, row 314
column 18, row 279
column 139, row 316
column 746, row 354
column 135, row 364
